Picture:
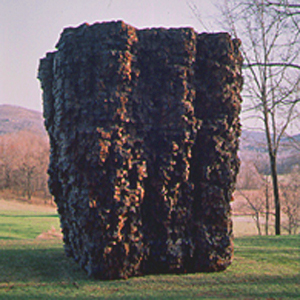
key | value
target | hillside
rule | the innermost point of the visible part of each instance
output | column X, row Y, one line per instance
column 252, row 145
column 256, row 141
column 15, row 118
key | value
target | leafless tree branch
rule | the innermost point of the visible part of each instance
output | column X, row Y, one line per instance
column 273, row 64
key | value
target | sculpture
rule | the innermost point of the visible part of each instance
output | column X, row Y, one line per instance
column 144, row 128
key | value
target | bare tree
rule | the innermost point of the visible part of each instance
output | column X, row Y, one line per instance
column 253, row 185
column 23, row 162
column 255, row 205
column 271, row 69
column 32, row 162
column 248, row 177
column 290, row 192
column 270, row 45
column 8, row 154
column 287, row 8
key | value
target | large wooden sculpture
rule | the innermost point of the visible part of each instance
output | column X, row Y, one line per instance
column 144, row 128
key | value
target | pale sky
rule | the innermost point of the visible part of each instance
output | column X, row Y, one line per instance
column 30, row 28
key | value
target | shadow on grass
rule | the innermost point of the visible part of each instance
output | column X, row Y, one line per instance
column 65, row 280
column 44, row 264
column 43, row 271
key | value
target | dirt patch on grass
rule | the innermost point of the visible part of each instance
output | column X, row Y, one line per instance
column 50, row 235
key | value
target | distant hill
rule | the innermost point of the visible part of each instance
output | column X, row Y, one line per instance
column 256, row 141
column 15, row 118
column 253, row 147
column 252, row 144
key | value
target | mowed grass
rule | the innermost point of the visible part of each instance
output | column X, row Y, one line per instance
column 30, row 268
column 25, row 224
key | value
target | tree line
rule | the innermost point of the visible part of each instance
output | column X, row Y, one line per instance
column 24, row 159
column 254, row 187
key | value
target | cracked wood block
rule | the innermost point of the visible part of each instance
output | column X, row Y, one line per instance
column 144, row 129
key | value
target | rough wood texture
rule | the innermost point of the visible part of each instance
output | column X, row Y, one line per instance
column 144, row 128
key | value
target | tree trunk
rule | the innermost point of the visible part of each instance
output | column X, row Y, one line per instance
column 272, row 150
column 276, row 192
column 256, row 217
column 29, row 185
column 267, row 207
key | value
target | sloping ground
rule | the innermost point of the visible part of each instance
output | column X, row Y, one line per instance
column 15, row 118
column 15, row 205
column 253, row 147
column 21, row 221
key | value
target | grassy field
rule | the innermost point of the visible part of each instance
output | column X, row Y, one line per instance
column 17, row 225
column 35, row 268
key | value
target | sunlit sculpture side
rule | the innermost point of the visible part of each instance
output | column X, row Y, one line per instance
column 144, row 128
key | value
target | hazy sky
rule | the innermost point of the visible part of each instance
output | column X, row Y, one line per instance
column 30, row 28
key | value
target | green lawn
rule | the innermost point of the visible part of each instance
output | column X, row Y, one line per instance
column 263, row 268
column 25, row 224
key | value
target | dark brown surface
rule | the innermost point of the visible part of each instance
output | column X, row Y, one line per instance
column 144, row 128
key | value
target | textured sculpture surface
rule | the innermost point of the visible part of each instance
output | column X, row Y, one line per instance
column 144, row 128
